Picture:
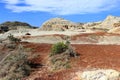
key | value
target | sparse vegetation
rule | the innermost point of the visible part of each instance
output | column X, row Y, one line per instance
column 13, row 39
column 58, row 48
column 0, row 41
column 15, row 66
column 11, row 46
column 60, row 55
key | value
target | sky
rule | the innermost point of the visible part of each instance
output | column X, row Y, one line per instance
column 35, row 12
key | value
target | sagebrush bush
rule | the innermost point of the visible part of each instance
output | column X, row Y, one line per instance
column 61, row 54
column 58, row 48
column 15, row 66
column 13, row 39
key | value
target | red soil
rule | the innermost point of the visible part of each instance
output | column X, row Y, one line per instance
column 91, row 56
column 42, row 50
column 98, row 56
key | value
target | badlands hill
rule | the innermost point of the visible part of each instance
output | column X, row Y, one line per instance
column 14, row 25
column 110, row 22
column 60, row 24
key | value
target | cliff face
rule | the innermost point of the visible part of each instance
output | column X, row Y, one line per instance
column 59, row 24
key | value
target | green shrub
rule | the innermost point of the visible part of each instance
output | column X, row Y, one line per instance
column 13, row 39
column 61, row 54
column 58, row 48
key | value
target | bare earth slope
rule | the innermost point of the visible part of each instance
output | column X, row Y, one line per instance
column 91, row 57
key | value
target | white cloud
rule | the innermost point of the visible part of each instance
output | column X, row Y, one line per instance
column 11, row 1
column 62, row 7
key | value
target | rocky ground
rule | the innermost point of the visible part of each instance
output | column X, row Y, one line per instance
column 97, row 46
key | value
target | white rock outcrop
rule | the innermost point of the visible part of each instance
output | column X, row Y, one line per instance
column 58, row 24
column 101, row 74
column 115, row 30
